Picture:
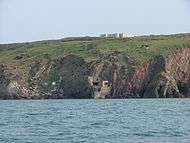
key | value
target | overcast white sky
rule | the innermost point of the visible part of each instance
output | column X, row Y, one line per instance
column 30, row 20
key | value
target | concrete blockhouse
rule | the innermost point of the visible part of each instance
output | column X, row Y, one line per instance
column 117, row 35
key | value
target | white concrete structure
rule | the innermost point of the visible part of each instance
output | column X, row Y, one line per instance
column 117, row 35
column 126, row 35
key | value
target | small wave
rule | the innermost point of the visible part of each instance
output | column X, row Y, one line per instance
column 38, row 114
column 145, row 134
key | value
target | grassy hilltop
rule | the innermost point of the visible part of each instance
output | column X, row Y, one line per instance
column 19, row 56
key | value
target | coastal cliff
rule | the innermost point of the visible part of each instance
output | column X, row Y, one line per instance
column 84, row 68
column 157, row 78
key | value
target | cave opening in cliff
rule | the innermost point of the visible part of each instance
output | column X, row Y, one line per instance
column 95, row 83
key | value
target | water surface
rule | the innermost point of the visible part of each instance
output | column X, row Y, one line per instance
column 95, row 121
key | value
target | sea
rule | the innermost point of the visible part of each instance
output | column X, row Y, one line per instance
column 95, row 121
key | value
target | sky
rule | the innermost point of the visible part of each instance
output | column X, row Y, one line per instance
column 31, row 20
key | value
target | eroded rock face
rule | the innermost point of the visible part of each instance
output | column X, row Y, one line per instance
column 178, row 66
column 158, row 78
column 11, row 89
column 66, row 78
column 3, row 84
column 102, row 79
column 174, row 80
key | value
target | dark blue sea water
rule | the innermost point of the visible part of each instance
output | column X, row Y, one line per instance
column 95, row 121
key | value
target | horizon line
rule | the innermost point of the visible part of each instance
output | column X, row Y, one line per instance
column 90, row 36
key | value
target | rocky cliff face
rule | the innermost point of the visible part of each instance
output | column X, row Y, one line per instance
column 174, row 79
column 102, row 78
column 11, row 89
column 62, row 78
column 72, row 77
column 158, row 78
column 3, row 84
